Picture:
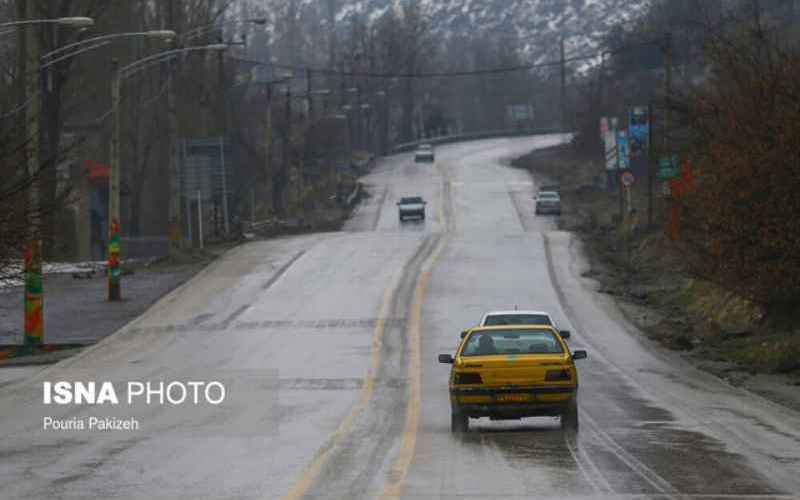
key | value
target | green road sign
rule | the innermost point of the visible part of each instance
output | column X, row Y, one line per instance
column 668, row 167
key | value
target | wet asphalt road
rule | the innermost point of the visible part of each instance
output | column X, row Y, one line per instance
column 327, row 347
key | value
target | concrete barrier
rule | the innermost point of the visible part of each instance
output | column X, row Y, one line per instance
column 474, row 136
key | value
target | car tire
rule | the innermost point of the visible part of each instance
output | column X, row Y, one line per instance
column 401, row 218
column 569, row 419
column 458, row 422
column 422, row 216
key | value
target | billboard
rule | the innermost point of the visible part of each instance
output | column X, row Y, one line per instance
column 608, row 135
column 638, row 131
column 520, row 112
column 623, row 149
column 206, row 168
column 610, row 140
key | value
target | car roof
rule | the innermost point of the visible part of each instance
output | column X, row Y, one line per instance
column 515, row 311
column 511, row 327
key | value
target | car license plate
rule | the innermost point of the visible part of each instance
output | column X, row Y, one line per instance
column 512, row 398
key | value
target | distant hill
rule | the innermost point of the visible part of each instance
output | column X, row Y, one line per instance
column 536, row 24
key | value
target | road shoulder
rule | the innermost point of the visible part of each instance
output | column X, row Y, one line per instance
column 705, row 326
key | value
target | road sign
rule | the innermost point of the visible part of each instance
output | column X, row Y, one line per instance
column 520, row 112
column 623, row 150
column 638, row 131
column 668, row 167
column 610, row 141
column 627, row 179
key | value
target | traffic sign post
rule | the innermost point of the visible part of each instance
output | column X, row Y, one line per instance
column 627, row 179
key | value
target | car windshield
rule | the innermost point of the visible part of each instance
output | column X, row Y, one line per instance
column 517, row 319
column 487, row 343
column 413, row 199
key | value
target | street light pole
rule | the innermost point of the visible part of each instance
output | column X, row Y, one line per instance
column 268, row 132
column 114, row 271
column 119, row 73
column 34, row 296
column 309, row 96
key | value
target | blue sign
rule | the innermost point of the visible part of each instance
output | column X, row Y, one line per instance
column 623, row 150
column 639, row 131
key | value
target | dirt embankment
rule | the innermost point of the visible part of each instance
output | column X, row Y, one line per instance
column 644, row 272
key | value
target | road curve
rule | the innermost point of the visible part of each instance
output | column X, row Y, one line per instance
column 327, row 347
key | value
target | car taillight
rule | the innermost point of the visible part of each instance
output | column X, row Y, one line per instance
column 468, row 378
column 555, row 375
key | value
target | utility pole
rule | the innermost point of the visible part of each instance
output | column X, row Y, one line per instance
column 287, row 137
column 667, row 86
column 114, row 271
column 34, row 292
column 667, row 49
column 651, row 166
column 359, row 119
column 268, row 131
column 563, row 94
column 308, row 96
column 174, row 207
column 223, row 127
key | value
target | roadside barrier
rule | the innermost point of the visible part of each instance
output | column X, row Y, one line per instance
column 473, row 136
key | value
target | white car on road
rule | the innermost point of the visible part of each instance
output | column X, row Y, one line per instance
column 516, row 317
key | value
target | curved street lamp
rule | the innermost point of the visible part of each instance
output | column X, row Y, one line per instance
column 34, row 293
column 201, row 30
column 75, row 22
column 81, row 46
column 114, row 235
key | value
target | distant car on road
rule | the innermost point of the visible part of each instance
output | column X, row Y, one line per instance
column 515, row 317
column 548, row 202
column 411, row 206
column 512, row 372
column 424, row 153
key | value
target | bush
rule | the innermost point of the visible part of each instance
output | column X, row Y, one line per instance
column 742, row 220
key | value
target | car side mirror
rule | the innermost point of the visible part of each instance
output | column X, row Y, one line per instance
column 565, row 334
column 446, row 359
column 580, row 354
column 464, row 333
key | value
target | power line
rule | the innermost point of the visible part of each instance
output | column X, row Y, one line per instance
column 433, row 74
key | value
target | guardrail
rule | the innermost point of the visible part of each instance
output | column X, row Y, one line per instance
column 473, row 136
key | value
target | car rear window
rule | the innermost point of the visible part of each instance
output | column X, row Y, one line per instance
column 549, row 196
column 517, row 319
column 411, row 200
column 512, row 342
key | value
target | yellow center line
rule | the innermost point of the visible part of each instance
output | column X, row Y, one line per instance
column 397, row 474
column 312, row 471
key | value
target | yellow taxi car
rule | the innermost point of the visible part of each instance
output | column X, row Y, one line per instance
column 511, row 372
